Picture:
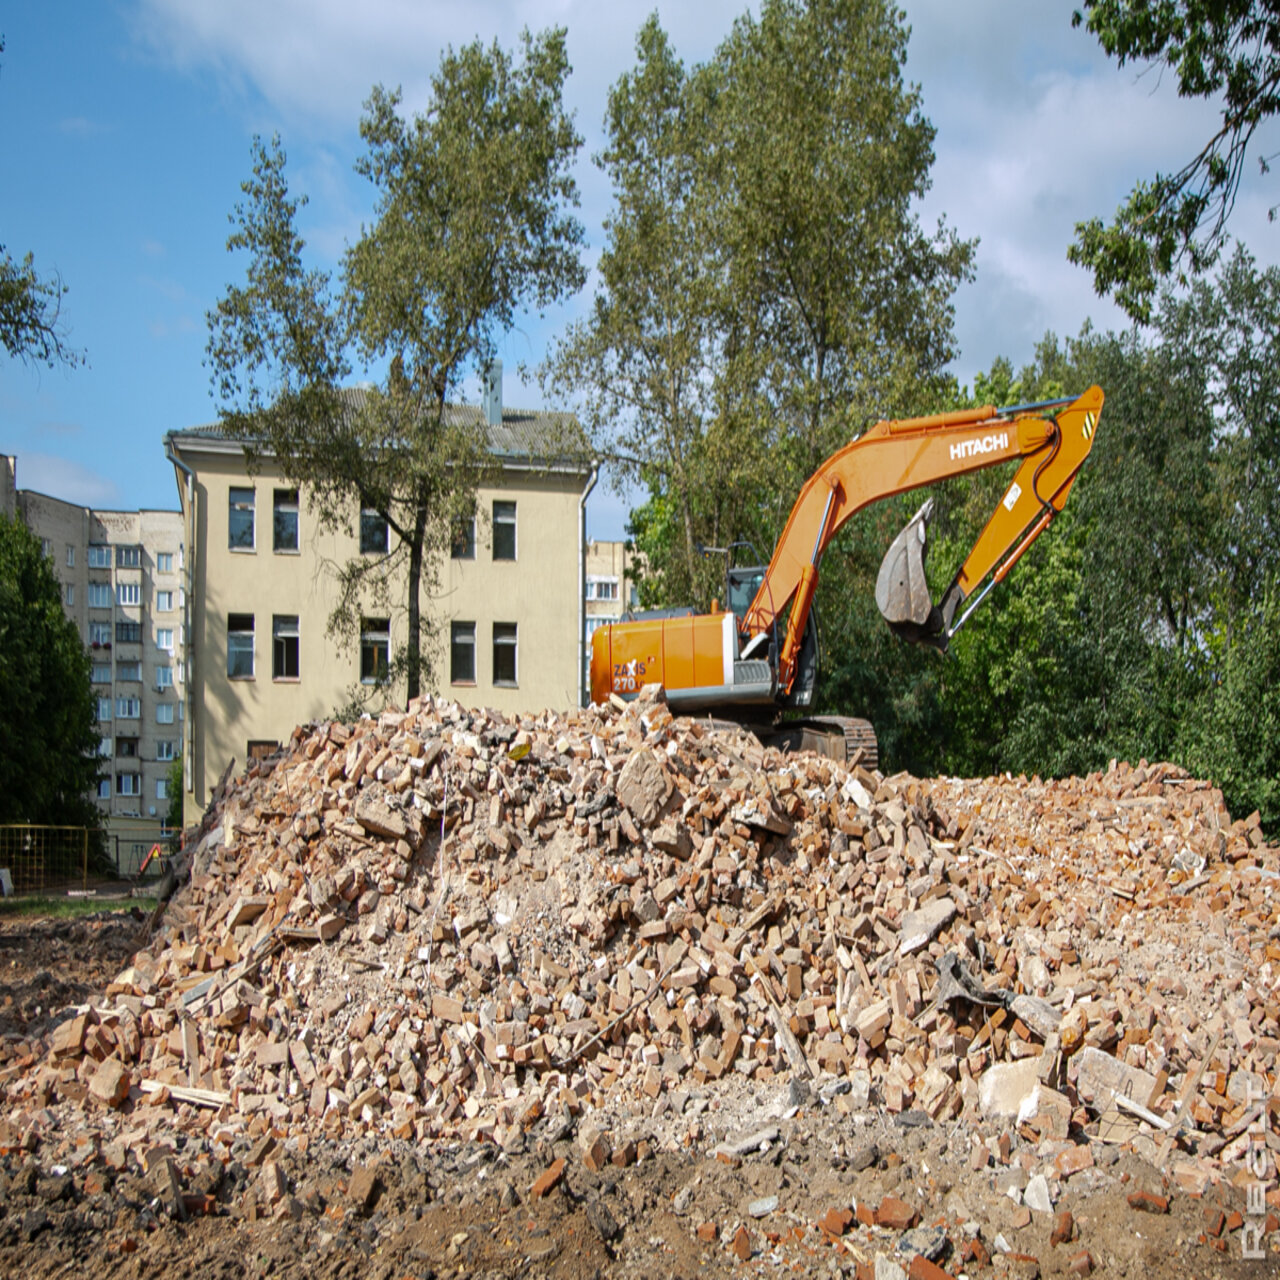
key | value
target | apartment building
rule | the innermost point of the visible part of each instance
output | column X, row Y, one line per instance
column 121, row 576
column 609, row 588
column 504, row 629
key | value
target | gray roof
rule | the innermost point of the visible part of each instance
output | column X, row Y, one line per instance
column 535, row 436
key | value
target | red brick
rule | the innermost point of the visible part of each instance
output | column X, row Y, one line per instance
column 976, row 1252
column 1021, row 1217
column 895, row 1214
column 1214, row 1220
column 1148, row 1202
column 1063, row 1228
column 923, row 1269
column 741, row 1245
column 548, row 1180
column 1081, row 1263
column 1073, row 1160
column 1235, row 1220
column 708, row 1232
column 836, row 1221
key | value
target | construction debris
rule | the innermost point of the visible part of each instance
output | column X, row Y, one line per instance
column 451, row 925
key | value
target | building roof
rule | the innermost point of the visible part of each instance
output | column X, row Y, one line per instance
column 536, row 437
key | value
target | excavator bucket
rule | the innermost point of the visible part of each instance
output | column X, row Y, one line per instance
column 902, row 593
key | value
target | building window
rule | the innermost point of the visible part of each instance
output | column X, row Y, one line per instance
column 71, row 594
column 240, row 519
column 99, row 556
column 284, row 525
column 164, row 601
column 240, row 646
column 128, row 557
column 99, row 595
column 164, row 713
column 594, row 624
column 374, row 539
column 128, row 784
column 375, row 649
column 104, row 705
column 164, row 677
column 129, row 592
column 104, row 788
column 164, row 639
column 104, row 748
column 504, row 530
column 464, row 539
column 162, row 788
column 164, row 750
column 100, row 673
column 129, row 671
column 46, row 548
column 128, row 708
column 284, row 647
column 164, row 561
column 504, row 653
column 128, row 633
column 127, row 748
column 602, row 588
column 71, row 556
column 462, row 653
column 99, row 634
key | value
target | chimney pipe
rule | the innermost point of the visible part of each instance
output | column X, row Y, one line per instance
column 493, row 394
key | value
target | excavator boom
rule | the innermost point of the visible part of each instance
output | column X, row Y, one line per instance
column 724, row 661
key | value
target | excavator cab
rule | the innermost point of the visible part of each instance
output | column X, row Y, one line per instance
column 741, row 584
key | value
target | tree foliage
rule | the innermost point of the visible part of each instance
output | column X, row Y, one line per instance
column 472, row 223
column 766, row 286
column 49, row 767
column 1176, row 222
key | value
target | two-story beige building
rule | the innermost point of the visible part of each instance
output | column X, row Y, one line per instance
column 121, row 575
column 505, row 629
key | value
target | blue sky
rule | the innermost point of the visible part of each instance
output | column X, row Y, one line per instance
column 126, row 127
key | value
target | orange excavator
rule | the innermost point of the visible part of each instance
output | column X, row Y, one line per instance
column 759, row 657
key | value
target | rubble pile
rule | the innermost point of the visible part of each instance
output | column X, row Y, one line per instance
column 451, row 924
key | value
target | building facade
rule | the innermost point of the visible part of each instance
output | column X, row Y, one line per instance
column 609, row 589
column 504, row 631
column 121, row 575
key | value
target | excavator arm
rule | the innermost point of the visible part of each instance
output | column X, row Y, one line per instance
column 727, row 664
column 1052, row 439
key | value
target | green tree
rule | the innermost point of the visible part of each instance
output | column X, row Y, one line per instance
column 472, row 224
column 1228, row 49
column 766, row 288
column 31, row 311
column 49, row 767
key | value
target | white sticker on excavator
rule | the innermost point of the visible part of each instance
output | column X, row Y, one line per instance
column 1015, row 492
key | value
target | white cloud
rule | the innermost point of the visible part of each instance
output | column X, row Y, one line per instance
column 1036, row 128
column 67, row 480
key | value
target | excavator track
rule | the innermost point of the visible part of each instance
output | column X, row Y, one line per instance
column 845, row 739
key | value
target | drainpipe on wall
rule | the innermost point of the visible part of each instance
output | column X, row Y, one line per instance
column 582, row 584
column 188, row 633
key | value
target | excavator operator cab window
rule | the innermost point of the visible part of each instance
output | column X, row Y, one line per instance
column 741, row 586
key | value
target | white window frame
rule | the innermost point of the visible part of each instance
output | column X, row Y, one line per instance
column 164, row 601
column 99, row 555
column 502, row 519
column 129, row 671
column 164, row 639
column 99, row 595
column 239, row 501
column 129, row 784
column 71, row 595
column 128, row 593
column 239, row 633
column 164, row 561
column 509, row 639
column 100, row 673
column 284, row 627
column 104, row 710
column 128, row 708
column 162, row 788
column 164, row 677
column 165, row 750
column 164, row 713
column 375, row 632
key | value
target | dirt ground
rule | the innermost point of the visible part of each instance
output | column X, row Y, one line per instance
column 388, row 1210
